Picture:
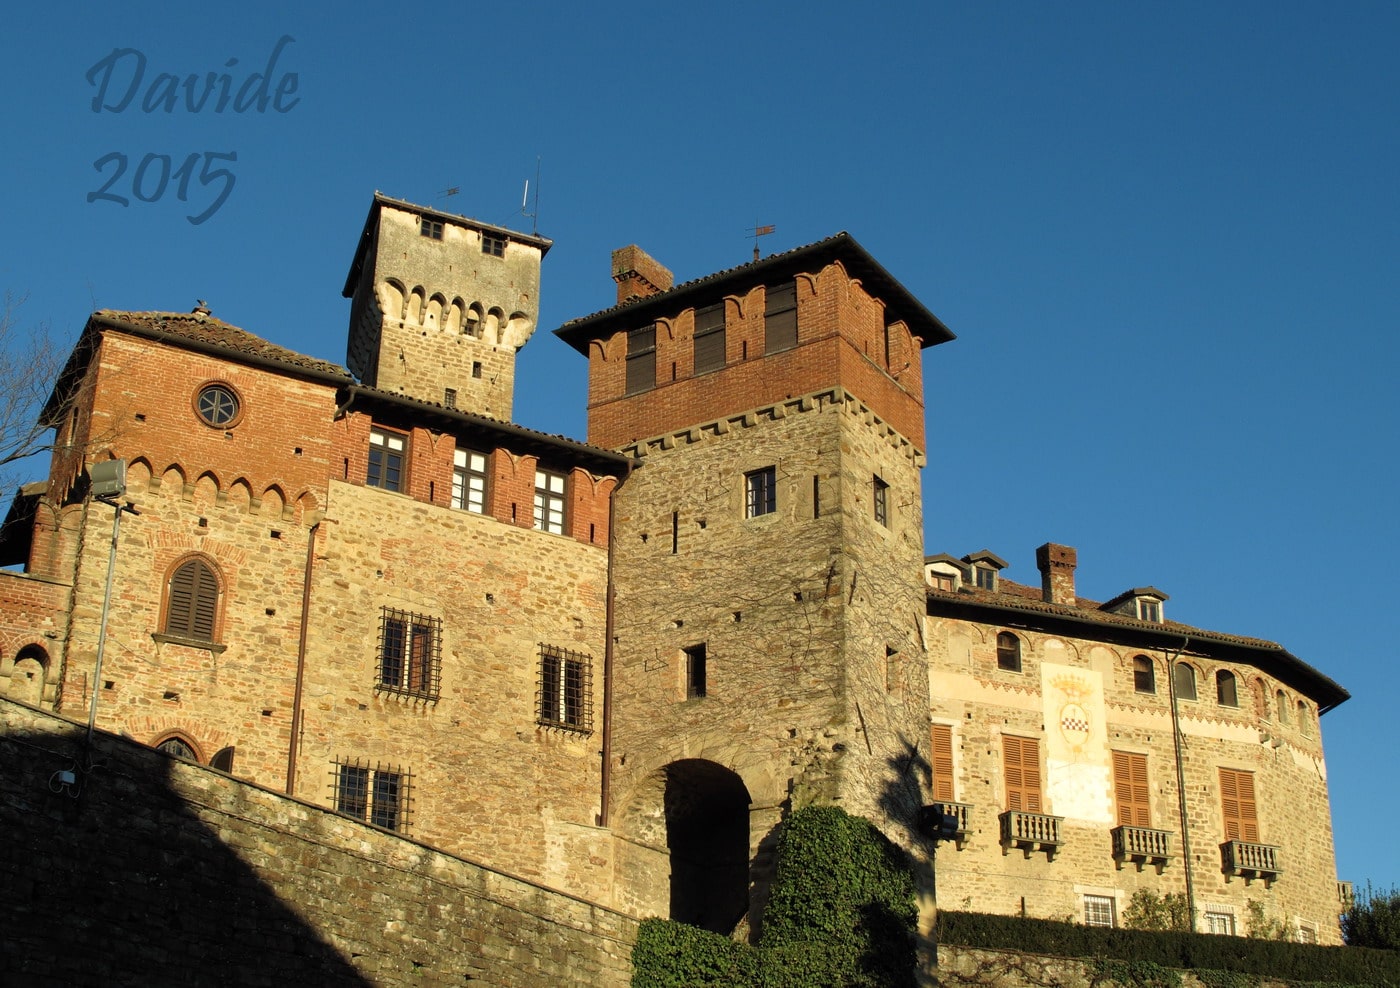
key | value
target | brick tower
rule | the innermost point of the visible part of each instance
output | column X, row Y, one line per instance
column 441, row 303
column 768, row 550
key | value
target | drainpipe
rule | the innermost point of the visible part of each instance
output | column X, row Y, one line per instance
column 606, row 753
column 301, row 658
column 1181, row 783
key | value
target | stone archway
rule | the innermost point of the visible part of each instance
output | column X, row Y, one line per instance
column 707, row 835
column 28, row 675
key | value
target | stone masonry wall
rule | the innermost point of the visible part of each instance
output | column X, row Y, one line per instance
column 982, row 703
column 187, row 877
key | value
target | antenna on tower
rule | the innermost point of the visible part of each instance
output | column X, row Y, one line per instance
column 761, row 231
column 525, row 198
column 448, row 193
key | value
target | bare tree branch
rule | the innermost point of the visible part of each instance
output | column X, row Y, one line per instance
column 30, row 361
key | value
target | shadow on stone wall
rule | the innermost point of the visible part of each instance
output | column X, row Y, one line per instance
column 114, row 881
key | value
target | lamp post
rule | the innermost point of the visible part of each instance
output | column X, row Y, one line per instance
column 107, row 483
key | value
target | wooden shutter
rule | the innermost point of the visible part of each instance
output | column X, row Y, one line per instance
column 943, row 762
column 1130, row 789
column 780, row 317
column 1238, row 805
column 1021, row 757
column 709, row 338
column 641, row 359
column 193, row 603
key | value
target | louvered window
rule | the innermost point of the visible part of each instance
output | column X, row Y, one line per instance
column 641, row 359
column 709, row 338
column 943, row 763
column 194, row 601
column 780, row 318
column 1130, row 789
column 1144, row 675
column 1238, row 806
column 1021, row 757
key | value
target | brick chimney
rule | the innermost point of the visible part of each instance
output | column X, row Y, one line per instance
column 1056, row 564
column 638, row 274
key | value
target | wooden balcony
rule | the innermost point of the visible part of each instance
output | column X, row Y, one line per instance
column 1030, row 832
column 1141, row 845
column 1250, row 861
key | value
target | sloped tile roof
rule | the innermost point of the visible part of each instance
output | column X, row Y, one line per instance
column 197, row 327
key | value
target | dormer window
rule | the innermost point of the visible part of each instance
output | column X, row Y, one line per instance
column 986, row 577
column 985, row 566
column 1149, row 609
column 941, row 581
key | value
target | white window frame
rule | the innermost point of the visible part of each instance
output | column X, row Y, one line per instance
column 469, row 481
column 551, row 491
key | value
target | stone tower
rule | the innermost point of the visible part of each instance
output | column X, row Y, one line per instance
column 441, row 303
column 768, row 558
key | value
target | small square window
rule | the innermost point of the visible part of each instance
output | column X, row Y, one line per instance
column 760, row 492
column 695, row 671
column 493, row 245
column 377, row 795
column 1220, row 923
column 881, row 500
column 1098, row 910
column 386, row 459
column 565, row 689
column 432, row 229
column 549, row 501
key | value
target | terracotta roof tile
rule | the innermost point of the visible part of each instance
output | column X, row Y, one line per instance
column 210, row 331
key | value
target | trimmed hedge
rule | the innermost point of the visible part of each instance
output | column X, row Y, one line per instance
column 1189, row 951
column 840, row 913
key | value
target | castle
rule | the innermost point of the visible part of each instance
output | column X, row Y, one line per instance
column 611, row 667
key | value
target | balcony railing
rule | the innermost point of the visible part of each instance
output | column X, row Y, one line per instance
column 1141, row 845
column 1030, row 832
column 960, row 812
column 1250, row 861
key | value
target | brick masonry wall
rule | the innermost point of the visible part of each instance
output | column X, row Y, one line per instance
column 841, row 342
column 982, row 703
column 33, row 613
column 188, row 877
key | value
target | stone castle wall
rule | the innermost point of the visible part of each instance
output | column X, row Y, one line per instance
column 188, row 877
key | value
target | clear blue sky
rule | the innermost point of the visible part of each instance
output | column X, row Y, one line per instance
column 1166, row 235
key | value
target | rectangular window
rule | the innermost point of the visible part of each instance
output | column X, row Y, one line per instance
column 493, row 245
column 780, row 318
column 695, row 671
column 386, row 459
column 1021, row 760
column 410, row 652
column 565, row 689
column 377, row 795
column 1130, row 789
column 709, row 338
column 1149, row 610
column 641, row 359
column 549, row 501
column 1098, row 910
column 881, row 499
column 986, row 577
column 1238, row 806
column 431, row 229
column 469, row 480
column 760, row 492
column 1220, row 923
column 940, row 581
column 943, row 763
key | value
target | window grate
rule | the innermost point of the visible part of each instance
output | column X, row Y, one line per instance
column 410, row 654
column 375, row 793
column 1098, row 910
column 564, row 695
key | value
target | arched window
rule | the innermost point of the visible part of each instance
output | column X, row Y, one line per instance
column 1184, row 679
column 1304, row 718
column 179, row 746
column 1281, row 705
column 1008, row 652
column 223, row 759
column 1226, row 692
column 192, row 603
column 1144, row 675
column 28, row 675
